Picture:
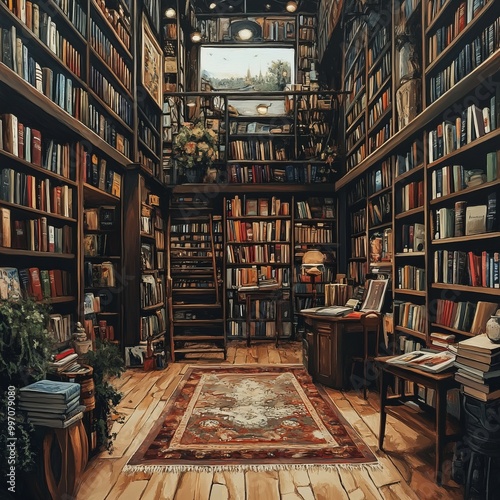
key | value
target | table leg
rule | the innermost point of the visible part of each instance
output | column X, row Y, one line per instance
column 278, row 324
column 384, row 384
column 440, row 428
column 248, row 302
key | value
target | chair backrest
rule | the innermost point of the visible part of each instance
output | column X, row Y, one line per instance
column 371, row 321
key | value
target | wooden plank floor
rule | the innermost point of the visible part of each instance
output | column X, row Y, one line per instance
column 408, row 463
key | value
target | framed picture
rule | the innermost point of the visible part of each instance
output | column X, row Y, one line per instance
column 152, row 67
column 135, row 355
column 375, row 295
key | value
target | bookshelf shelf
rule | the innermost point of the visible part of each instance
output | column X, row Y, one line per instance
column 408, row 291
column 109, row 71
column 381, row 226
column 492, row 136
column 453, row 330
column 460, row 239
column 380, row 119
column 380, row 192
column 437, row 17
column 409, row 173
column 59, row 300
column 410, row 254
column 13, row 206
column 456, row 41
column 379, row 58
column 38, row 255
column 466, row 288
column 464, row 192
column 383, row 86
column 413, row 333
column 98, row 196
column 410, row 213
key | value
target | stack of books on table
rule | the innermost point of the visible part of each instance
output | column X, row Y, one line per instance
column 64, row 361
column 478, row 363
column 442, row 339
column 50, row 403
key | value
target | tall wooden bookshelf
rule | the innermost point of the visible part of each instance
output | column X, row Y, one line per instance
column 442, row 158
column 73, row 67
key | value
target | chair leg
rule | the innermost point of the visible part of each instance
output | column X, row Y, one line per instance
column 365, row 373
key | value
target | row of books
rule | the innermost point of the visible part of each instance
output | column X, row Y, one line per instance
column 313, row 234
column 249, row 254
column 356, row 157
column 471, row 56
column 97, row 173
column 357, row 107
column 473, row 123
column 98, row 245
column 384, row 134
column 470, row 9
column 237, row 207
column 112, row 57
column 411, row 278
column 337, row 294
column 457, row 267
column 457, row 315
column 26, row 143
column 355, row 135
column 99, row 275
column 464, row 220
column 357, row 271
column 412, row 195
column 358, row 221
column 379, row 107
column 378, row 43
column 411, row 159
column 35, row 283
column 413, row 237
column 407, row 7
column 250, row 275
column 379, row 209
column 119, row 20
column 152, row 325
column 101, row 218
column 358, row 246
column 258, row 231
column 35, row 235
column 148, row 135
column 119, row 103
column 268, row 149
column 260, row 309
column 30, row 191
column 379, row 78
column 29, row 13
column 258, row 329
column 409, row 315
column 152, row 290
column 61, row 327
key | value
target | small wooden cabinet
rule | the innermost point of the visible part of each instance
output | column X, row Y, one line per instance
column 331, row 344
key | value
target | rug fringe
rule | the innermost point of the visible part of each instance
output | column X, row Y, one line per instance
column 151, row 469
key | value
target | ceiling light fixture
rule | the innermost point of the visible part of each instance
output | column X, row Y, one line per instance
column 245, row 34
column 196, row 36
column 212, row 6
column 170, row 13
column 291, row 6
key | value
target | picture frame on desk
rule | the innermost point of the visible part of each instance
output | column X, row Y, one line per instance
column 375, row 296
column 152, row 64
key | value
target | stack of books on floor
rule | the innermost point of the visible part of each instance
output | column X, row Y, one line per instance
column 52, row 404
column 478, row 363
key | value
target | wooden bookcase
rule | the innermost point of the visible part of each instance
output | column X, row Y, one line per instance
column 258, row 239
column 144, row 287
column 452, row 75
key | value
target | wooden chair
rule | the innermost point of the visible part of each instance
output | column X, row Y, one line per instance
column 371, row 322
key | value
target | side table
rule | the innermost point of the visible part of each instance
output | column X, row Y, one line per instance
column 65, row 456
column 436, row 426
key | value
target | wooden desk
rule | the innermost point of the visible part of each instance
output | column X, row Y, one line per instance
column 332, row 343
column 436, row 427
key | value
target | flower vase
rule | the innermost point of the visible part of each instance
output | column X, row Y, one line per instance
column 194, row 174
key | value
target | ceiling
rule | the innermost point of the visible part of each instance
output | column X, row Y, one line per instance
column 225, row 7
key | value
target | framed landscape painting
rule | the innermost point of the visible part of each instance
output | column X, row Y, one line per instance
column 152, row 68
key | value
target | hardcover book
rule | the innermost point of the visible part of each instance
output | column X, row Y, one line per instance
column 50, row 390
column 475, row 220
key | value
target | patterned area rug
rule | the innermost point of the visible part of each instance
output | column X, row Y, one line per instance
column 249, row 417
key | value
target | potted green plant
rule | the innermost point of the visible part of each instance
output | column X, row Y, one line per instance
column 107, row 362
column 26, row 347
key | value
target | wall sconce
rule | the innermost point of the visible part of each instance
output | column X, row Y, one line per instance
column 170, row 13
column 196, row 36
column 291, row 6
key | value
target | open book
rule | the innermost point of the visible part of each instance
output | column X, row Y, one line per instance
column 427, row 361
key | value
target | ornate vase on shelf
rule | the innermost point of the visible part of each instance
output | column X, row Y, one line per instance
column 493, row 329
